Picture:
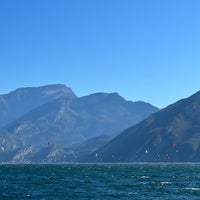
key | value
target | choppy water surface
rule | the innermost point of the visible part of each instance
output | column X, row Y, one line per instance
column 103, row 181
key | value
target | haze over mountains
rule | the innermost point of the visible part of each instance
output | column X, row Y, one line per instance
column 170, row 135
column 22, row 100
column 50, row 123
column 60, row 127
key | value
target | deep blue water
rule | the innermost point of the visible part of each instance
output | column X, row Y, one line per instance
column 103, row 181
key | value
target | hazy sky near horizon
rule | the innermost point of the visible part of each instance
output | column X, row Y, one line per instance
column 143, row 49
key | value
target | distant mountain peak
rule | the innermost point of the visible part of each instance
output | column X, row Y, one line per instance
column 22, row 100
column 46, row 90
column 58, row 88
column 104, row 95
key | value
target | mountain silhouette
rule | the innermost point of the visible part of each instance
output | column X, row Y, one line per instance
column 170, row 135
column 17, row 103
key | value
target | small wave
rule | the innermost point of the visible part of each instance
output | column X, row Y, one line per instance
column 165, row 183
column 194, row 189
column 144, row 177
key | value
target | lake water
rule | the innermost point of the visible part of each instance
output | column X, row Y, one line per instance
column 100, row 181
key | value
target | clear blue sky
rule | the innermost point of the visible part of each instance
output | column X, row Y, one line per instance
column 143, row 49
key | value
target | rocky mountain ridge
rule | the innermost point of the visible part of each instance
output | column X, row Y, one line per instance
column 170, row 135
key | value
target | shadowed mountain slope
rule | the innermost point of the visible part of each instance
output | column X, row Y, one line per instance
column 172, row 134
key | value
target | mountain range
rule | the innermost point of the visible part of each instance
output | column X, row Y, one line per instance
column 169, row 135
column 51, row 124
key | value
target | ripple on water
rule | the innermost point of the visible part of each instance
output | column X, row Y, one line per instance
column 106, row 181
